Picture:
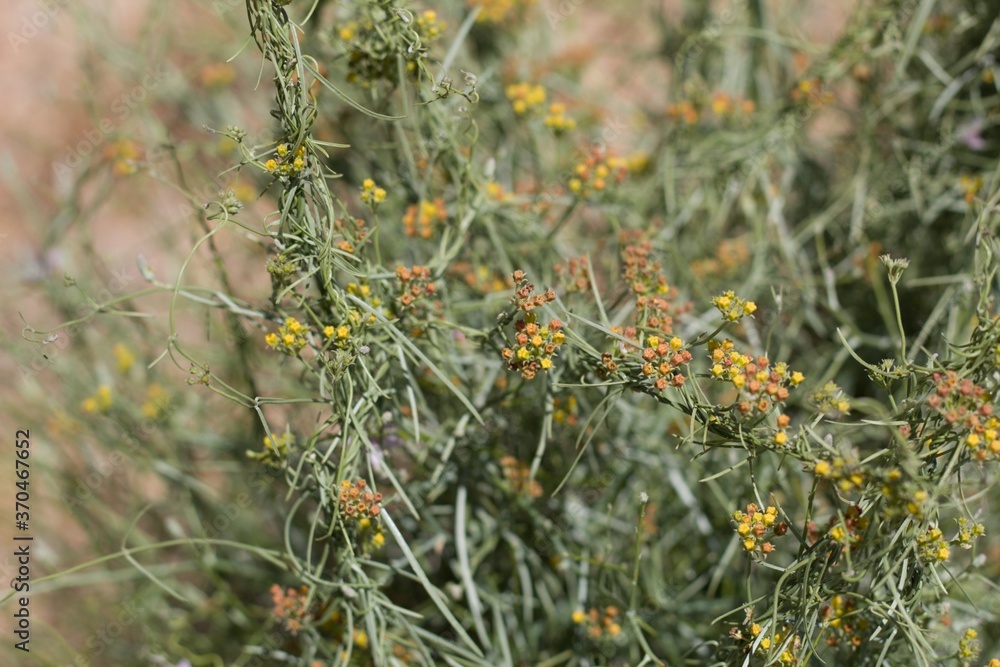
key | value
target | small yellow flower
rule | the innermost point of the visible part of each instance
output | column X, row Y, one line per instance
column 579, row 616
column 271, row 339
column 797, row 378
column 780, row 438
column 822, row 469
column 343, row 332
column 329, row 331
column 124, row 358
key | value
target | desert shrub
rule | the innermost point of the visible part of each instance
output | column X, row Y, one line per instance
column 482, row 371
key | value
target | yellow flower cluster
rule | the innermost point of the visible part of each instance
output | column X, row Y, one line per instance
column 525, row 97
column 124, row 359
column 98, row 402
column 357, row 503
column 841, row 619
column 495, row 193
column 497, row 11
column 847, row 477
column 732, row 307
column 290, row 339
column 420, row 218
column 275, row 449
column 968, row 645
column 831, row 400
column 371, row 194
column 287, row 164
column 761, row 386
column 655, row 300
column 756, row 528
column 518, row 476
column 970, row 186
column 932, row 546
column 593, row 174
column 428, row 26
column 968, row 534
column 557, row 120
column 598, row 623
column 348, row 333
column 124, row 155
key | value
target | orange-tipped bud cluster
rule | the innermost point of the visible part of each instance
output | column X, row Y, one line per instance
column 966, row 408
column 518, row 475
column 761, row 386
column 598, row 623
column 845, row 625
column 574, row 275
column 414, row 284
column 291, row 607
column 661, row 361
column 849, row 531
column 596, row 172
column 357, row 503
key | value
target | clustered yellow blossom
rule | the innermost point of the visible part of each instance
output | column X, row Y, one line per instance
column 495, row 193
column 371, row 194
column 123, row 358
column 348, row 333
column 290, row 339
column 848, row 477
column 557, row 120
column 428, row 26
column 525, row 97
column 518, row 476
column 598, row 623
column 124, row 155
column 968, row 645
column 497, row 11
column 595, row 172
column 420, row 219
column 535, row 345
column 831, row 400
column 574, row 275
column 275, row 449
column 286, row 163
column 98, row 402
column 932, row 546
column 756, row 528
column 849, row 530
column 761, row 386
column 357, row 503
column 732, row 307
column 968, row 534
column 970, row 186
column 843, row 623
column 291, row 607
